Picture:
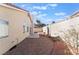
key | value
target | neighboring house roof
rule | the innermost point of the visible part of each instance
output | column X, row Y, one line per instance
column 75, row 14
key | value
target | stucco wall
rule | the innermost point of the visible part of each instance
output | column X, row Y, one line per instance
column 16, row 21
column 45, row 30
column 68, row 30
column 38, row 30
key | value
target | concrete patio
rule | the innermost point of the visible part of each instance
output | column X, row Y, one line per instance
column 40, row 46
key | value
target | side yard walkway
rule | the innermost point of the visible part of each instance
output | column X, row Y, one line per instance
column 40, row 46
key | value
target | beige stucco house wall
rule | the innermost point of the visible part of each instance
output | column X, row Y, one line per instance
column 38, row 30
column 17, row 20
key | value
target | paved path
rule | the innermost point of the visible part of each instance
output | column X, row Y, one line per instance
column 41, row 46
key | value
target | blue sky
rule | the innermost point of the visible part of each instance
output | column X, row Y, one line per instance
column 48, row 12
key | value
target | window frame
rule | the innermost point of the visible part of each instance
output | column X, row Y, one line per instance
column 25, row 28
column 7, row 24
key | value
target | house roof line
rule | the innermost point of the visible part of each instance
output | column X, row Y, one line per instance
column 74, row 13
column 9, row 5
column 12, row 6
column 65, row 19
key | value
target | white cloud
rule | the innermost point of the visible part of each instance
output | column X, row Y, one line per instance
column 53, row 5
column 44, row 18
column 60, row 14
column 38, row 14
column 41, row 15
column 45, row 7
column 23, row 5
column 49, row 21
column 34, row 13
column 40, row 7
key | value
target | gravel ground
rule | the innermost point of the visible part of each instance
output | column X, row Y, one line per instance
column 41, row 46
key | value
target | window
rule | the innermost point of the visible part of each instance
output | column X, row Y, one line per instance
column 23, row 28
column 26, row 28
column 3, row 28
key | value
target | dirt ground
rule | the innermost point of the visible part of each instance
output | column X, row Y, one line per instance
column 40, row 46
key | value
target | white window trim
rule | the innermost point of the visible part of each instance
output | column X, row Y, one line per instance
column 6, row 23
